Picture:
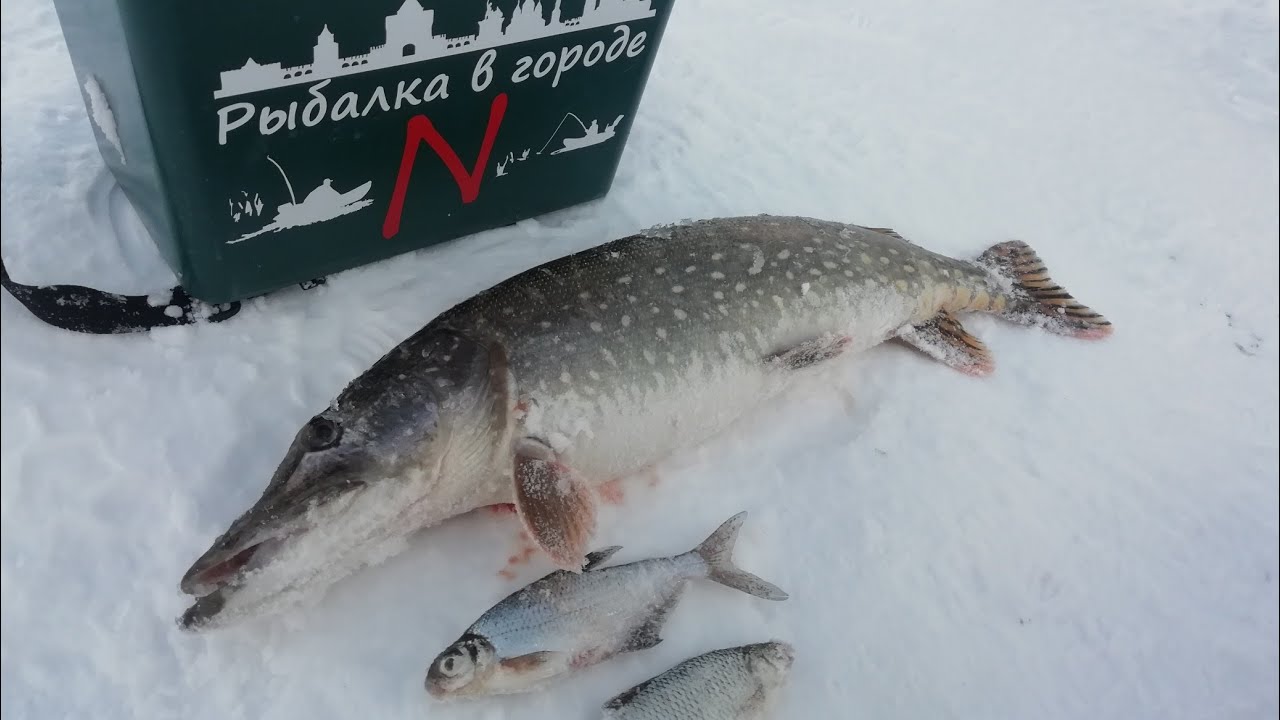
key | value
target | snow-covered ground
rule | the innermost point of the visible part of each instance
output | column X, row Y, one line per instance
column 1091, row 532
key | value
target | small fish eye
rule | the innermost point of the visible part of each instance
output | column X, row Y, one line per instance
column 324, row 433
column 447, row 665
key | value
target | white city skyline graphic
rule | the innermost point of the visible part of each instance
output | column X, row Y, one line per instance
column 410, row 38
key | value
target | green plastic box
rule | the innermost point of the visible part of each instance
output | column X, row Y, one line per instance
column 265, row 143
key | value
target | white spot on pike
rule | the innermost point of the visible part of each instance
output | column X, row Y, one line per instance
column 716, row 256
column 866, row 259
column 757, row 263
column 804, row 289
column 597, row 327
column 717, row 275
column 648, row 355
column 828, row 265
column 625, row 279
column 659, row 270
column 584, row 295
column 593, row 374
column 717, row 295
column 565, row 377
column 608, row 357
column 626, row 320
column 680, row 314
column 662, row 333
column 691, row 268
column 545, row 324
column 784, row 254
column 884, row 261
column 815, row 271
column 677, row 289
column 740, row 287
column 908, row 268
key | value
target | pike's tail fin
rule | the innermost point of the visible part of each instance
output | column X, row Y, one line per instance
column 717, row 552
column 1038, row 299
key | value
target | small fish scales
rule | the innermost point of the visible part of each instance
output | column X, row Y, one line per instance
column 737, row 683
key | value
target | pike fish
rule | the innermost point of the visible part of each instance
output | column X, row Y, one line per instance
column 568, row 621
column 736, row 683
column 590, row 368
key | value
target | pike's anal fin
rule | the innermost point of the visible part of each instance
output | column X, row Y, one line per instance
column 555, row 505
column 810, row 352
column 944, row 339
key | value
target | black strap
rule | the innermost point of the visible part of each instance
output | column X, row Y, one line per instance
column 86, row 310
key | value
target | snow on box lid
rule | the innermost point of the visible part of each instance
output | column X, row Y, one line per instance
column 265, row 144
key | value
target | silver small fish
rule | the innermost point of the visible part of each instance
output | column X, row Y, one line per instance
column 737, row 683
column 568, row 621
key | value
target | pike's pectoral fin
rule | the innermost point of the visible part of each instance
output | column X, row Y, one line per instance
column 944, row 339
column 810, row 352
column 555, row 505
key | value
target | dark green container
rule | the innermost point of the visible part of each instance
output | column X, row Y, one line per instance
column 265, row 143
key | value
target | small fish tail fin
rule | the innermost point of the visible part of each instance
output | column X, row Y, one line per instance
column 1037, row 299
column 717, row 552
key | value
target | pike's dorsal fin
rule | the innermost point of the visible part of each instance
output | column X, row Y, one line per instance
column 888, row 231
column 944, row 339
column 554, row 504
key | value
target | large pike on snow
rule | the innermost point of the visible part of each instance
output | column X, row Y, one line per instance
column 589, row 368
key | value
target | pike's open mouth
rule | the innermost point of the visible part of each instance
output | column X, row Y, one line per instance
column 215, row 577
column 211, row 573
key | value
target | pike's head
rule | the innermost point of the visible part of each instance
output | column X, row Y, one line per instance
column 357, row 479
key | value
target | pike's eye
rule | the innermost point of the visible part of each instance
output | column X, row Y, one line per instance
column 323, row 432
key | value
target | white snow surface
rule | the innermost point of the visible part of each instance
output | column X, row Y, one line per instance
column 1090, row 532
